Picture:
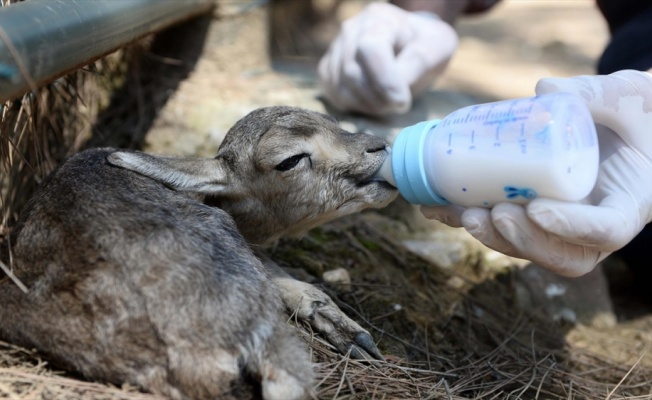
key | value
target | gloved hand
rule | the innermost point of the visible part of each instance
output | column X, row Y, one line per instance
column 383, row 57
column 570, row 238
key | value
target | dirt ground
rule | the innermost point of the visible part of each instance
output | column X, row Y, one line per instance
column 447, row 320
column 504, row 52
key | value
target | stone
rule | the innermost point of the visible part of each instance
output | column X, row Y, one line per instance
column 585, row 300
column 339, row 277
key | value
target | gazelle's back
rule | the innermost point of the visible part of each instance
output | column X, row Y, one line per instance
column 133, row 282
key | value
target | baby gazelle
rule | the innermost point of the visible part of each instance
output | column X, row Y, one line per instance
column 139, row 270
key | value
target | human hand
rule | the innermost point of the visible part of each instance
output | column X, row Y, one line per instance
column 383, row 57
column 570, row 238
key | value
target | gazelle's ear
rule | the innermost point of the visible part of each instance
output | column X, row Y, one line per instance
column 202, row 175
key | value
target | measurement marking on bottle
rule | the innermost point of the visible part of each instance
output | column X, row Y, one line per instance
column 522, row 141
column 472, row 146
column 497, row 137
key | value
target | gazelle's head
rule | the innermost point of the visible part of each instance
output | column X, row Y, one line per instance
column 279, row 171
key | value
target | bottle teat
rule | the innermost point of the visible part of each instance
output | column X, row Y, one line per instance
column 384, row 173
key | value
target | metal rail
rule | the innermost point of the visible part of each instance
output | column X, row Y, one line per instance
column 41, row 40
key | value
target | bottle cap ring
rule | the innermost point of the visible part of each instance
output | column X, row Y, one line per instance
column 408, row 165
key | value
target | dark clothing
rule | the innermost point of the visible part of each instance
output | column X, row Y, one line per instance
column 477, row 6
column 630, row 23
column 621, row 12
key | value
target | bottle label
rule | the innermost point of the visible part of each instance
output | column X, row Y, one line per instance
column 512, row 192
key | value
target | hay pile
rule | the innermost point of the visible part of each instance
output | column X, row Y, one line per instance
column 23, row 375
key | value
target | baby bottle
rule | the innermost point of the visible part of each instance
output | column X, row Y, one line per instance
column 506, row 151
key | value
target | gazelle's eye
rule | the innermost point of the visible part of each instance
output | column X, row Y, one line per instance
column 290, row 162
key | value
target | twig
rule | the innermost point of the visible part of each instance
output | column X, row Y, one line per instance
column 625, row 377
column 534, row 368
column 13, row 277
column 350, row 384
column 543, row 379
column 448, row 390
column 427, row 348
column 405, row 369
column 346, row 365
column 331, row 372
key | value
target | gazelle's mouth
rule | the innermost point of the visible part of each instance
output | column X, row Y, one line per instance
column 378, row 177
column 382, row 176
column 380, row 182
column 384, row 173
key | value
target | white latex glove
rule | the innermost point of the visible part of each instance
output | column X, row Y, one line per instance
column 571, row 238
column 383, row 57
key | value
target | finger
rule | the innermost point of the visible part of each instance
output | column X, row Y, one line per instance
column 341, row 89
column 450, row 215
column 385, row 31
column 378, row 62
column 350, row 101
column 478, row 222
column 329, row 74
column 507, row 229
column 539, row 246
column 356, row 82
column 606, row 227
column 419, row 70
column 346, row 84
column 622, row 101
column 421, row 60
